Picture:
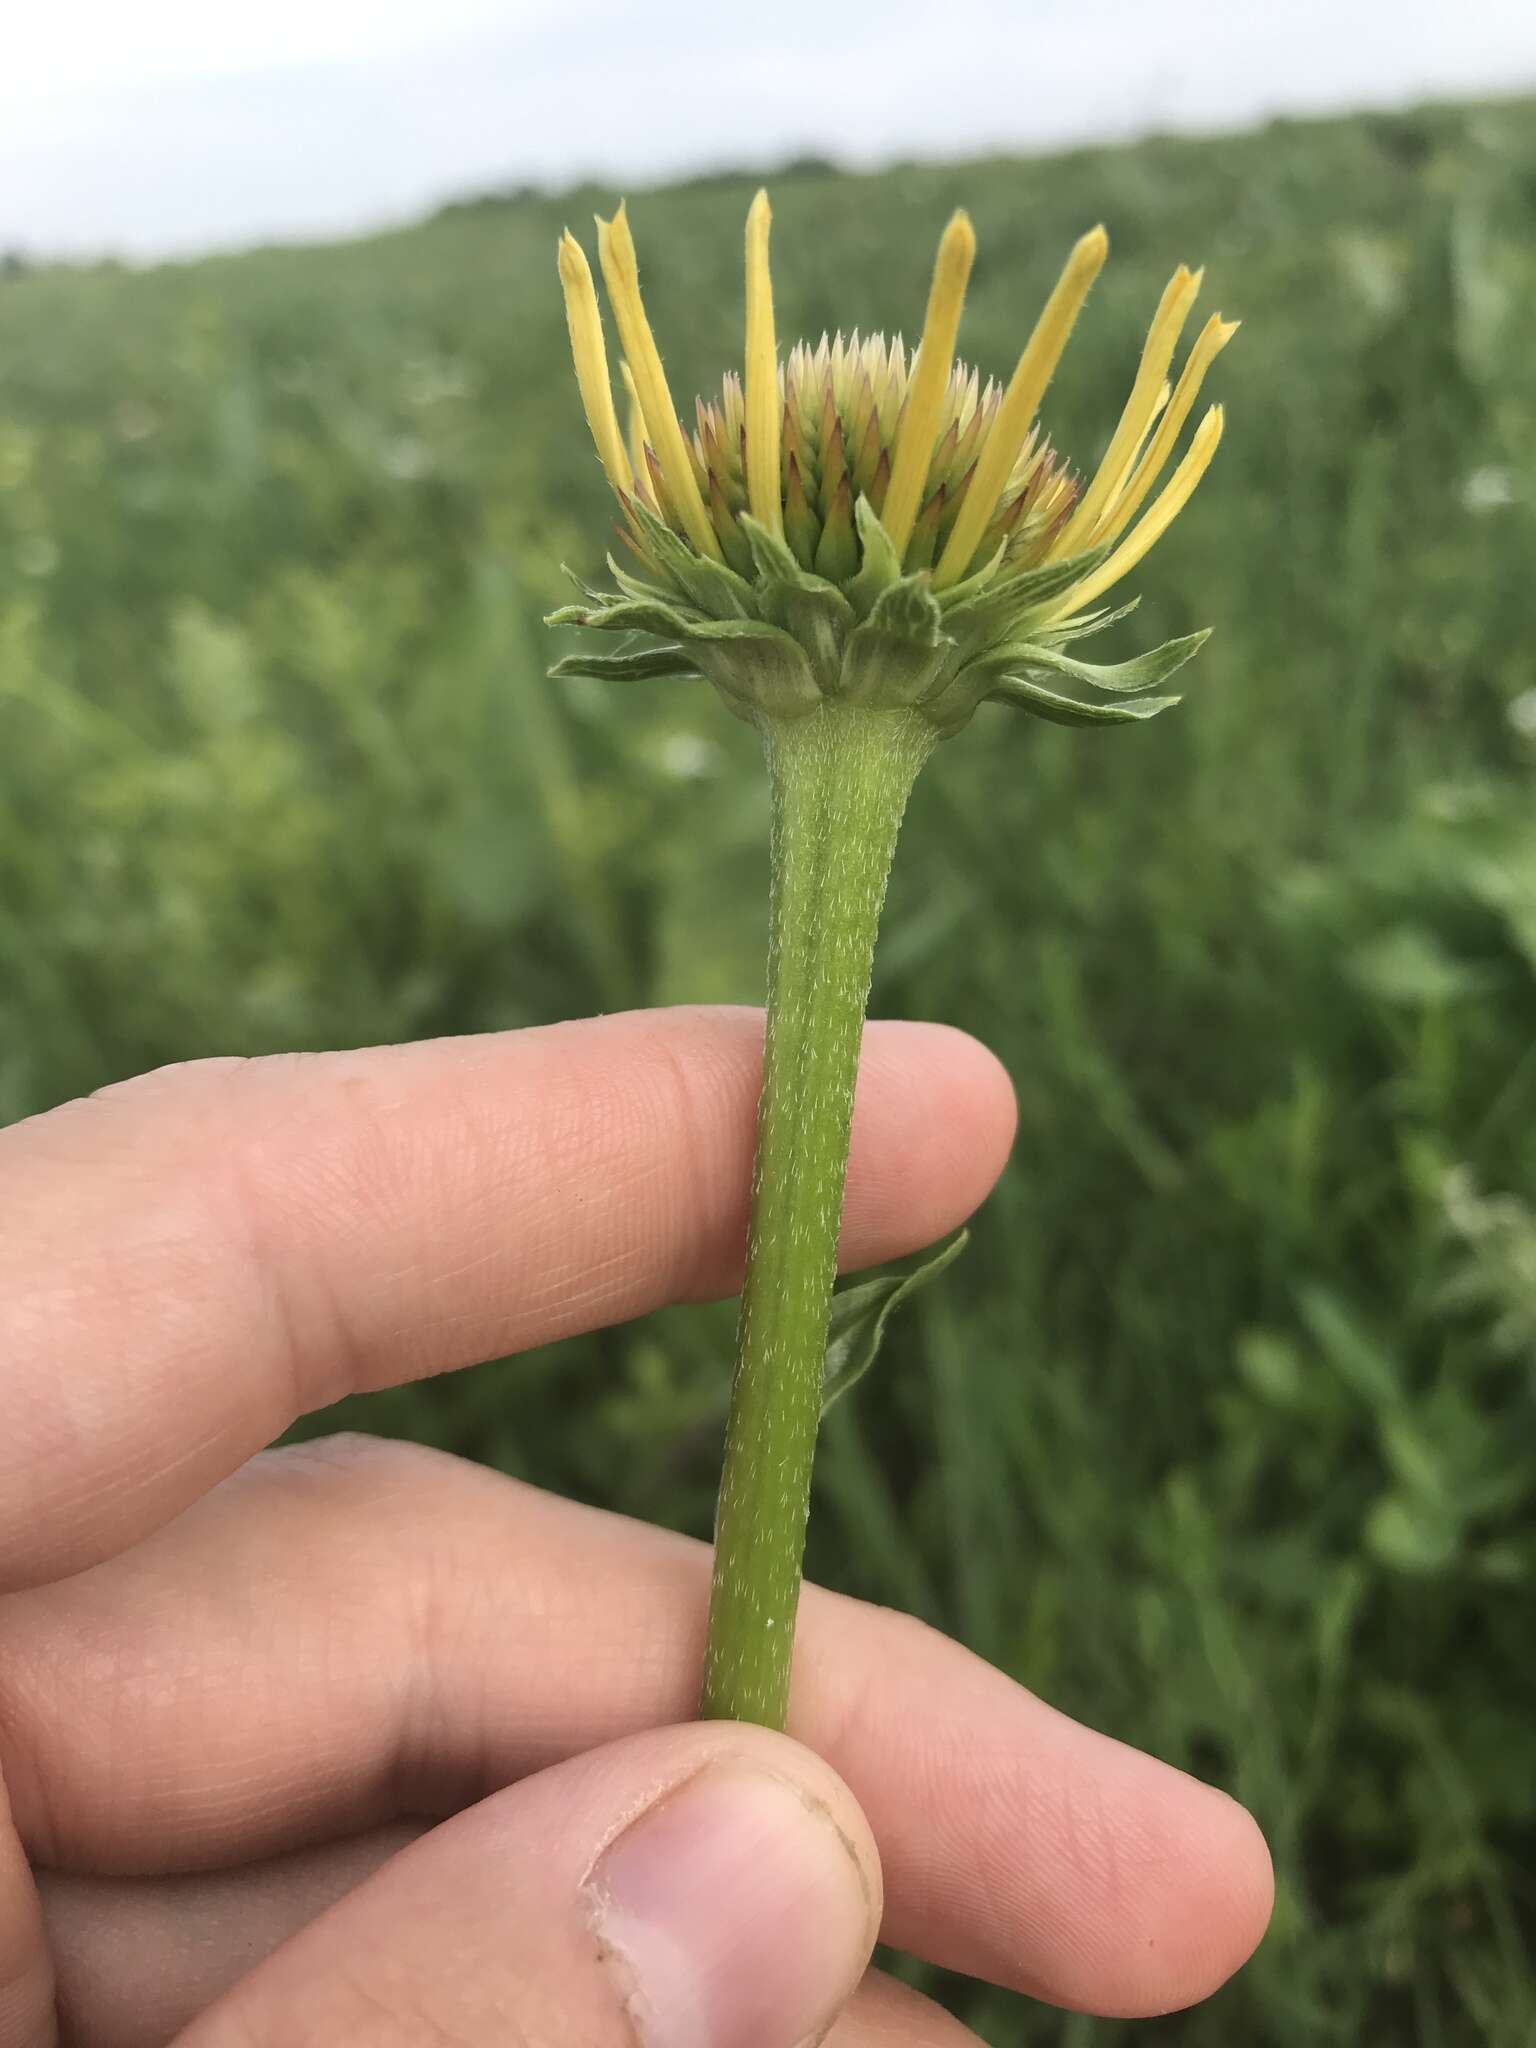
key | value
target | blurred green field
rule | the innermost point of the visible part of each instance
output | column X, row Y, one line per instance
column 1224, row 1434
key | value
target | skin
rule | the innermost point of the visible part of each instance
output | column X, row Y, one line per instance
column 263, row 1714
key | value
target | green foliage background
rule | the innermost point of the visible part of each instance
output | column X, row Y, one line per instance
column 1222, row 1436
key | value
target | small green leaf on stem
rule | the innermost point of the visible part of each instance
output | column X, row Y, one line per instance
column 860, row 1314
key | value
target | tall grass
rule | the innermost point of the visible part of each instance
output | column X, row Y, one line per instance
column 1224, row 1436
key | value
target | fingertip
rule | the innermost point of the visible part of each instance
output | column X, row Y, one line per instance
column 1198, row 1905
column 1057, row 1860
column 978, row 1094
column 934, row 1122
column 1229, row 1893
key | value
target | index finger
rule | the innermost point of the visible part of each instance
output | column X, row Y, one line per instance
column 190, row 1261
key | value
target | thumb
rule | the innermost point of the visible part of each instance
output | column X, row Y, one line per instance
column 26, row 1977
column 702, row 1887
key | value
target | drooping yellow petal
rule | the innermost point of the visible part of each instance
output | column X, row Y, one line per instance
column 930, row 380
column 621, row 274
column 585, row 322
column 1157, row 353
column 1021, row 401
column 1123, row 508
column 1171, row 501
column 764, row 404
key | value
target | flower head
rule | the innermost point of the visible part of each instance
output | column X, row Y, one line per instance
column 854, row 522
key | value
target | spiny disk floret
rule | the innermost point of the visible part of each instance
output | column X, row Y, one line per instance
column 852, row 486
column 844, row 404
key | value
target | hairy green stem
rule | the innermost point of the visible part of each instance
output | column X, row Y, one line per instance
column 840, row 778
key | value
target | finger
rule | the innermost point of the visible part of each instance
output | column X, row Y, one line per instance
column 191, row 1260
column 351, row 1631
column 26, row 1975
column 139, row 1958
column 885, row 2014
column 701, row 1885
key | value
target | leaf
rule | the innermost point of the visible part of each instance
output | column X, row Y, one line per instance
column 909, row 608
column 630, row 615
column 1273, row 1370
column 1078, row 628
column 1141, row 672
column 775, row 560
column 673, row 622
column 1027, row 696
column 1412, row 1538
column 881, row 564
column 712, row 586
column 592, row 595
column 635, row 586
column 643, row 665
column 740, row 632
column 998, row 608
column 896, row 655
column 860, row 1314
column 976, row 582
column 813, row 611
column 1408, row 964
column 1364, row 1365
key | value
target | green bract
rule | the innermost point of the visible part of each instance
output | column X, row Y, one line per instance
column 782, row 642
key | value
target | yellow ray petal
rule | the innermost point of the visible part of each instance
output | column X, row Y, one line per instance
column 635, row 434
column 764, row 403
column 1122, row 509
column 1171, row 501
column 621, row 274
column 1010, row 429
column 1162, row 338
column 586, row 325
column 930, row 380
column 1127, row 468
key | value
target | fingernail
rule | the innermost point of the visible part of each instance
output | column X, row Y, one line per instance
column 734, row 1914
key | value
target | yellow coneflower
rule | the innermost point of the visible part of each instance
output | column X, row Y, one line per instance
column 857, row 547
column 856, row 463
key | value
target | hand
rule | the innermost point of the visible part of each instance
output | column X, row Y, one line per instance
column 359, row 1743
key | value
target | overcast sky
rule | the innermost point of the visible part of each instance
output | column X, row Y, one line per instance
column 175, row 125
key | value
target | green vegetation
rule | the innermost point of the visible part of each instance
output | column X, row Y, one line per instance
column 1224, row 1434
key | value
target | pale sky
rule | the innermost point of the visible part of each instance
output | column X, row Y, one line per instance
column 169, row 126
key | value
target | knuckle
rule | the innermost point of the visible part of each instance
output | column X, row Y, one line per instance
column 366, row 1470
column 175, row 1074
